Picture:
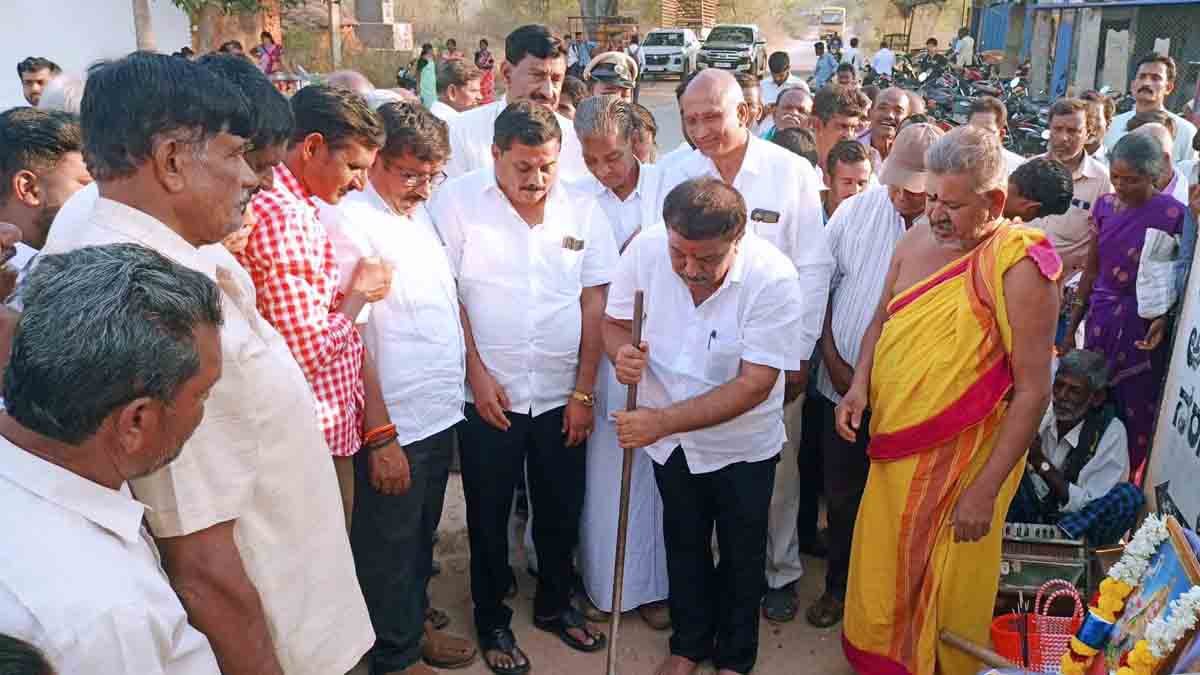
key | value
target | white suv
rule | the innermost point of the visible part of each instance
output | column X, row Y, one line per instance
column 670, row 51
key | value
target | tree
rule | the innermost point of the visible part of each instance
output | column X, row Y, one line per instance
column 143, row 25
column 230, row 6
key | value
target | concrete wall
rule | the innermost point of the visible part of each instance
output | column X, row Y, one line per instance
column 76, row 33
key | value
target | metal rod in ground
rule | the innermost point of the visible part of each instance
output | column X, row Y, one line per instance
column 614, row 621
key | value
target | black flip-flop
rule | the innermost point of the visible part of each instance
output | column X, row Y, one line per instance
column 502, row 640
column 562, row 623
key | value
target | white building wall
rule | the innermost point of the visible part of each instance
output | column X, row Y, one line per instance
column 76, row 33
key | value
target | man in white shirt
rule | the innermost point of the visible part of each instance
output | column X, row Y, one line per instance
column 249, row 522
column 721, row 315
column 990, row 114
column 533, row 70
column 41, row 166
column 629, row 193
column 533, row 257
column 81, row 579
column 853, row 55
column 1173, row 182
column 863, row 233
column 890, row 108
column 458, row 89
column 1153, row 83
column 884, row 61
column 964, row 48
column 780, row 65
column 415, row 340
column 716, row 118
column 1071, row 231
column 1077, row 472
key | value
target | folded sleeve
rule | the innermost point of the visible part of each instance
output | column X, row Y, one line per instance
column 600, row 251
column 772, row 321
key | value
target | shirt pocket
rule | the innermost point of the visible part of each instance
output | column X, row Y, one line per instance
column 564, row 264
column 723, row 352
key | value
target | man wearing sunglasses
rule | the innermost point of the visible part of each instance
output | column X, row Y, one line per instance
column 416, row 341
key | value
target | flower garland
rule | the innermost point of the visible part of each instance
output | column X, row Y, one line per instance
column 1122, row 578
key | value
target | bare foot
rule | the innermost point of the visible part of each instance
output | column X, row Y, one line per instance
column 677, row 665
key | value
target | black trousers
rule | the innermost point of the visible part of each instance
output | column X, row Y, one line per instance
column 809, row 457
column 845, row 471
column 714, row 610
column 392, row 541
column 491, row 462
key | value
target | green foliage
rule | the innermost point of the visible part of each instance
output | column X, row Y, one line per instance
column 229, row 6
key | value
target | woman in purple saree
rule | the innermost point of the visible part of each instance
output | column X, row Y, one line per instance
column 1136, row 348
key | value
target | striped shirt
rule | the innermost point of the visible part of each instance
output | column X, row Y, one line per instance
column 862, row 234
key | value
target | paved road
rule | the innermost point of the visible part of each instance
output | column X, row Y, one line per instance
column 659, row 95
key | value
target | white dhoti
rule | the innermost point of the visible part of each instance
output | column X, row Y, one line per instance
column 645, row 552
column 783, row 543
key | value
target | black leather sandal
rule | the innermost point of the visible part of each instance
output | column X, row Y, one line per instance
column 563, row 622
column 502, row 640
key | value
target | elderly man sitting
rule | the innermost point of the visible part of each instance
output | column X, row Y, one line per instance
column 1077, row 475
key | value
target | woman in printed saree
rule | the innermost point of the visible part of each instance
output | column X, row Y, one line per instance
column 1135, row 347
column 956, row 371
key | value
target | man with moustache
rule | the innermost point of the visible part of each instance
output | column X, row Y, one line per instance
column 534, row 67
column 792, row 110
column 629, row 193
column 247, row 521
column 717, row 119
column 1077, row 472
column 414, row 337
column 891, row 106
column 116, row 401
column 719, row 333
column 298, row 284
column 837, row 113
column 1153, row 83
column 977, row 297
column 41, row 166
column 533, row 257
column 863, row 234
column 1070, row 231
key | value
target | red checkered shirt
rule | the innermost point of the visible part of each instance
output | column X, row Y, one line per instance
column 296, row 277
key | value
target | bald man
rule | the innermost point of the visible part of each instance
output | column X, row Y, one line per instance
column 351, row 80
column 1172, row 183
column 783, row 205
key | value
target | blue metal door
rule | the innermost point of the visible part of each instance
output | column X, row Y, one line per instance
column 993, row 30
column 1062, row 55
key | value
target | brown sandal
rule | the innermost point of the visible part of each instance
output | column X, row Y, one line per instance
column 443, row 650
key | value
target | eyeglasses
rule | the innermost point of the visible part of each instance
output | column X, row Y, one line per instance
column 416, row 179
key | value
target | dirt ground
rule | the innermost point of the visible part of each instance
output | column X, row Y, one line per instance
column 792, row 649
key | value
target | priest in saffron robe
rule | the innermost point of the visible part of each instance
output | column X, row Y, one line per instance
column 955, row 369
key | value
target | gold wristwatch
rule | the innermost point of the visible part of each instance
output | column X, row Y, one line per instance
column 586, row 399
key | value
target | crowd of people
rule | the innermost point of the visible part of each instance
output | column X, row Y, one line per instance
column 233, row 316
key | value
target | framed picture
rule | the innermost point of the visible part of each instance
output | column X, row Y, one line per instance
column 1173, row 571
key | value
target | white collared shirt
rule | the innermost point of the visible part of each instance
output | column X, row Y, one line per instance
column 80, row 579
column 471, row 135
column 678, row 154
column 639, row 210
column 770, row 91
column 752, row 317
column 444, row 112
column 883, row 61
column 1184, row 132
column 863, row 234
column 1071, row 231
column 521, row 284
column 1012, row 160
column 258, row 458
column 1108, row 467
column 1178, row 187
column 414, row 334
column 776, row 181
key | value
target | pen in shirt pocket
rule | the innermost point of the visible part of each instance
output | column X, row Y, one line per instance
column 711, row 336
